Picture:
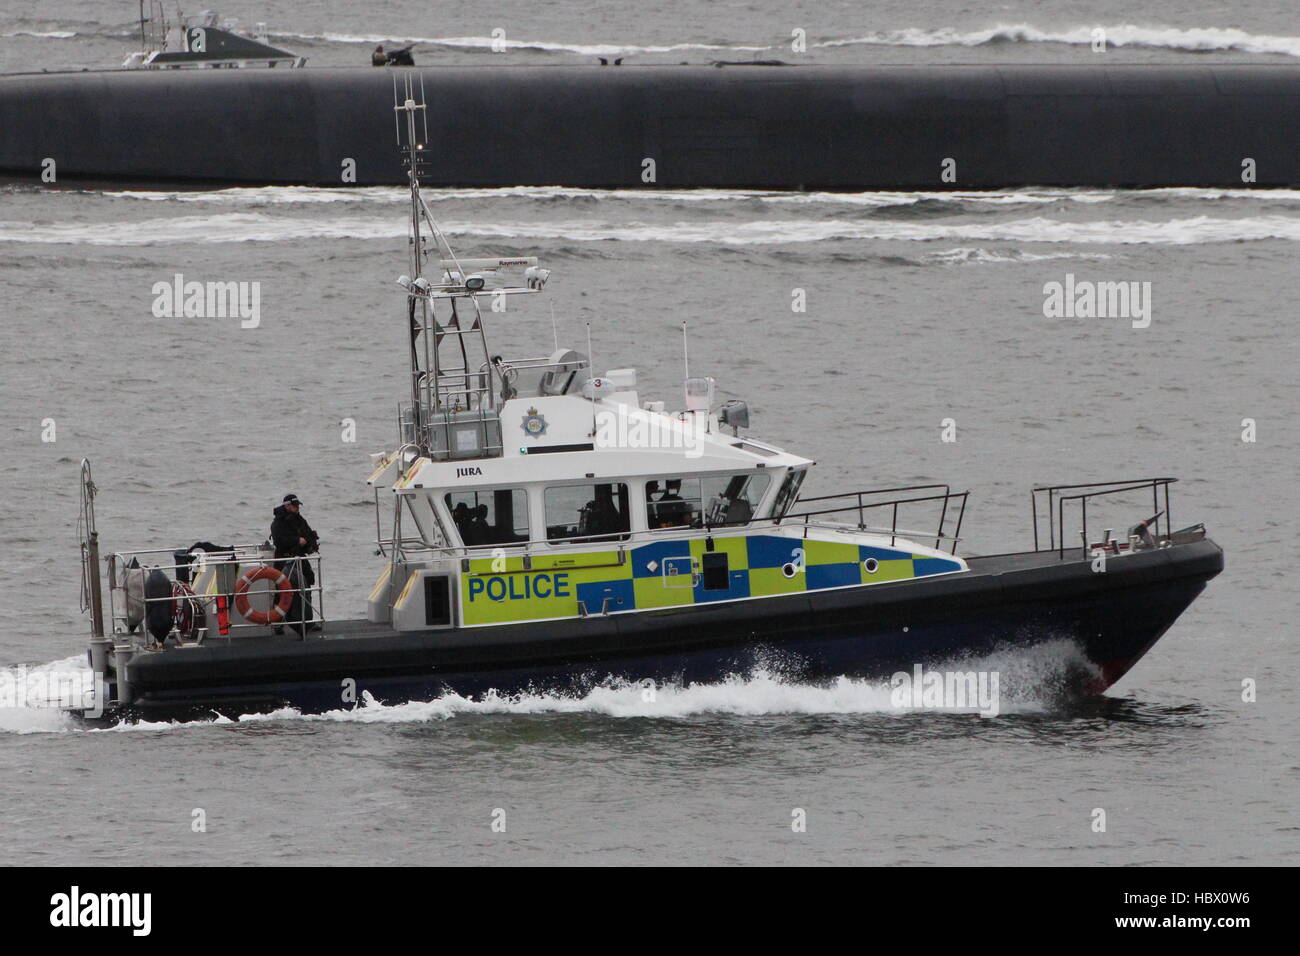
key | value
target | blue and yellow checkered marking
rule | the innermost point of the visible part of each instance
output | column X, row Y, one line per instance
column 670, row 574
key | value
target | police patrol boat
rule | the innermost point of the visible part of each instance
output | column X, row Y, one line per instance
column 545, row 528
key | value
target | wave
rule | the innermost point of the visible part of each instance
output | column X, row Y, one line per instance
column 395, row 195
column 1154, row 36
column 759, row 694
column 312, row 195
column 1029, row 681
column 505, row 43
column 42, row 34
column 255, row 196
column 1212, row 193
column 1190, row 231
column 31, row 696
column 268, row 195
column 261, row 227
column 981, row 256
column 1193, row 40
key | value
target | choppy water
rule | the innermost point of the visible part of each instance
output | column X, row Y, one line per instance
column 920, row 307
column 67, row 34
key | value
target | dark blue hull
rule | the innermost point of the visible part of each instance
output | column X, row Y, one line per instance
column 981, row 619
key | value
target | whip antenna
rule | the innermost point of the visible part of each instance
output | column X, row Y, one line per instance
column 595, row 397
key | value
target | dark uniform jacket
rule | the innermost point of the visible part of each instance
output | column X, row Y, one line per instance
column 286, row 529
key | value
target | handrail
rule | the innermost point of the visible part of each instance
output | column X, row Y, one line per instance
column 237, row 555
column 1056, row 530
column 245, row 549
column 632, row 539
column 874, row 491
column 860, row 506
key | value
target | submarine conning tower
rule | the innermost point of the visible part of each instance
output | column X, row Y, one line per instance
column 741, row 126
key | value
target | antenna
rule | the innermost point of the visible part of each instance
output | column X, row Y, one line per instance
column 425, row 115
column 595, row 395
column 686, row 353
column 438, row 386
column 416, row 326
column 409, row 107
column 397, row 123
column 591, row 361
column 555, row 332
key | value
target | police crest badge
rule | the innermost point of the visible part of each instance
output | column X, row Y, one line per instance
column 534, row 424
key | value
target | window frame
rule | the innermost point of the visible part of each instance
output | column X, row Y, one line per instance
column 793, row 481
column 725, row 477
column 581, row 537
column 450, row 510
column 685, row 499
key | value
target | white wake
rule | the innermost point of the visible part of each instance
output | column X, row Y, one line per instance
column 1030, row 681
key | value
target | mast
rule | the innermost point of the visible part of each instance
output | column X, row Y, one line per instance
column 416, row 323
column 445, row 395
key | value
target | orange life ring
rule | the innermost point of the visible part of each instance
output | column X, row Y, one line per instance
column 279, row 609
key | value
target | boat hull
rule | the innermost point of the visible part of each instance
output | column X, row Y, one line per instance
column 801, row 127
column 981, row 618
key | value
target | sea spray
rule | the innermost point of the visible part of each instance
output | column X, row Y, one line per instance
column 260, row 227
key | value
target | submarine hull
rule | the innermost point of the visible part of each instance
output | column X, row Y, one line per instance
column 1000, row 608
column 765, row 127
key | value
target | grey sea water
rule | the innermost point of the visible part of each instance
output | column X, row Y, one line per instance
column 920, row 308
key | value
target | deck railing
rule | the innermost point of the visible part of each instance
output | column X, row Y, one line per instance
column 1057, row 497
column 217, row 599
column 861, row 503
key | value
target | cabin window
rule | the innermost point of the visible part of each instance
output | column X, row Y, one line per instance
column 490, row 518
column 694, row 502
column 587, row 512
column 788, row 493
column 733, row 499
column 673, row 503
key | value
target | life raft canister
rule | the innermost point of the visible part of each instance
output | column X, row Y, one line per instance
column 279, row 609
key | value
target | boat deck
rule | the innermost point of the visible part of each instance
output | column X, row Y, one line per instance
column 1042, row 565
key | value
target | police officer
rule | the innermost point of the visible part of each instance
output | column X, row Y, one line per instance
column 671, row 510
column 293, row 537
